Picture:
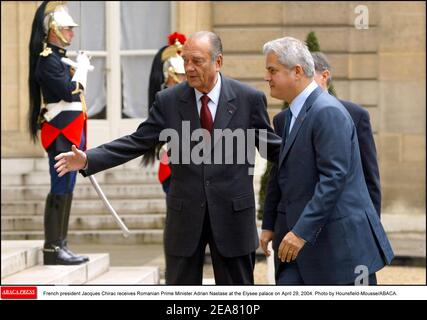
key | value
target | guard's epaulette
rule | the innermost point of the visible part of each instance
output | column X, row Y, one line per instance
column 47, row 51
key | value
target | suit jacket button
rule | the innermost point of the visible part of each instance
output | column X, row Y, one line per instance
column 207, row 182
column 202, row 205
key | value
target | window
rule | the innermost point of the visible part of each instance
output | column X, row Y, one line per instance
column 91, row 36
column 142, row 29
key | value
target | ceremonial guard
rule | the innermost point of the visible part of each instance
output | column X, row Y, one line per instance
column 167, row 70
column 61, row 117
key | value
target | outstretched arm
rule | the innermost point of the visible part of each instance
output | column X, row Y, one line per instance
column 118, row 151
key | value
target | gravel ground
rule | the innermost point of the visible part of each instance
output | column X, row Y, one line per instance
column 390, row 275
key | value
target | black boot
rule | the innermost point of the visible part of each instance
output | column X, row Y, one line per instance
column 64, row 229
column 53, row 253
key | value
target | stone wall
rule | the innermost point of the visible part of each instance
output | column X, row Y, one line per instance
column 402, row 99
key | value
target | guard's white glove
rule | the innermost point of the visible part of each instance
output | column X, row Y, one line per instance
column 83, row 59
column 83, row 65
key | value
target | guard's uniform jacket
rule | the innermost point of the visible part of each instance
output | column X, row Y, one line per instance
column 164, row 173
column 63, row 118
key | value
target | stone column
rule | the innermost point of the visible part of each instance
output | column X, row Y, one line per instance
column 16, row 20
column 192, row 16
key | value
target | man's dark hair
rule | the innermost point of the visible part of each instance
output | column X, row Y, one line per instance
column 321, row 63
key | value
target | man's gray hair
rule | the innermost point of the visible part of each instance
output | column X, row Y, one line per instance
column 321, row 64
column 290, row 52
column 214, row 40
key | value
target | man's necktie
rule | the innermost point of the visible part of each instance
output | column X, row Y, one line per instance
column 205, row 114
column 287, row 125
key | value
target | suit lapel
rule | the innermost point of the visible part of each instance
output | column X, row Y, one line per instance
column 298, row 123
column 283, row 131
column 225, row 109
column 188, row 108
column 188, row 112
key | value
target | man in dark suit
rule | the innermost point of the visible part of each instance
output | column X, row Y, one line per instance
column 209, row 202
column 317, row 209
column 360, row 116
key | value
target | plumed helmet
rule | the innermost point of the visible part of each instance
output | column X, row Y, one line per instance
column 160, row 64
column 166, row 62
column 57, row 16
column 173, row 64
column 173, row 37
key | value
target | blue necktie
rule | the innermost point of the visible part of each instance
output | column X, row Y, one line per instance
column 287, row 125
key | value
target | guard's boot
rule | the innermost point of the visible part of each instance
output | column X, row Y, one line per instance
column 53, row 253
column 64, row 230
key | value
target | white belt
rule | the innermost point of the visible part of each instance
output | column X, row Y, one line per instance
column 53, row 109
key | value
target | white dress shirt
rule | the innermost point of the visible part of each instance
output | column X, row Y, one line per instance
column 213, row 96
column 298, row 102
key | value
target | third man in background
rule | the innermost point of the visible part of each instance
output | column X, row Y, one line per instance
column 360, row 116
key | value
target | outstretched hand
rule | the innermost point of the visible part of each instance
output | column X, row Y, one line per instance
column 70, row 161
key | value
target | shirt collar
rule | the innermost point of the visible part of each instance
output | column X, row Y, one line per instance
column 214, row 93
column 298, row 102
column 61, row 51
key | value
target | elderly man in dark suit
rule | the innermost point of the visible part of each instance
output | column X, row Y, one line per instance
column 210, row 202
column 318, row 212
column 360, row 116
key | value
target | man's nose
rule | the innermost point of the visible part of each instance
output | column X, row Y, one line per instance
column 267, row 77
column 188, row 68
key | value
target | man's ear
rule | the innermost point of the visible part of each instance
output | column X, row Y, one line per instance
column 325, row 75
column 218, row 61
column 299, row 72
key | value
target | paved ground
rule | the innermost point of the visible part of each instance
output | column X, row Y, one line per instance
column 390, row 275
column 137, row 255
